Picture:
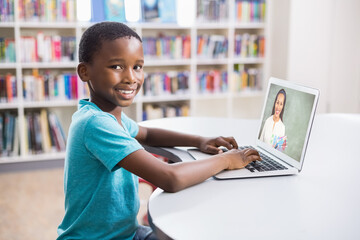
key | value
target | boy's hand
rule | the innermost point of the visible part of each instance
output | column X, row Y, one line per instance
column 240, row 158
column 211, row 145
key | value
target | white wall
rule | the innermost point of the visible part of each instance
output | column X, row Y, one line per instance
column 324, row 51
column 279, row 14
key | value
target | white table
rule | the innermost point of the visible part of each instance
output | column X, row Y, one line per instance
column 322, row 202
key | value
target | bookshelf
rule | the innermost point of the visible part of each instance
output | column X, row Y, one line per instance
column 204, row 80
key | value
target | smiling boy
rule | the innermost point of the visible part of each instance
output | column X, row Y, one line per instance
column 104, row 152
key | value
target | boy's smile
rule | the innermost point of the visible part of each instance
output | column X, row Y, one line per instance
column 116, row 74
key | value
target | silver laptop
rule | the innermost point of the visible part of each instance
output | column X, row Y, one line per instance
column 283, row 134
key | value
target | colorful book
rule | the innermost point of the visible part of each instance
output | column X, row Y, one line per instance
column 213, row 81
column 154, row 111
column 150, row 10
column 97, row 11
column 246, row 79
column 250, row 10
column 114, row 10
column 47, row 11
column 167, row 11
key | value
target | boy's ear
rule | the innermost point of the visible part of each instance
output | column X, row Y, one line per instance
column 82, row 71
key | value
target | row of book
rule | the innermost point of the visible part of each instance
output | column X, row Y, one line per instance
column 9, row 134
column 246, row 78
column 117, row 10
column 166, row 83
column 8, row 88
column 172, row 47
column 212, row 46
column 45, row 133
column 47, row 10
column 212, row 10
column 250, row 10
column 7, row 11
column 213, row 81
column 48, row 86
column 7, row 50
column 47, row 48
column 249, row 45
column 169, row 110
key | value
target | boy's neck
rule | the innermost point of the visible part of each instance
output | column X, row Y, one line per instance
column 109, row 108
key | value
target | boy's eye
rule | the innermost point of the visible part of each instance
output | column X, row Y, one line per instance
column 116, row 67
column 137, row 67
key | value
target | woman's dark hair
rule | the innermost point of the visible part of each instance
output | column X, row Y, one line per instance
column 281, row 91
column 94, row 36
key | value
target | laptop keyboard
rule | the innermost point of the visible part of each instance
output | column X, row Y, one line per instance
column 267, row 164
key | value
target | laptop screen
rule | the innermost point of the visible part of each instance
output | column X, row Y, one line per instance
column 287, row 118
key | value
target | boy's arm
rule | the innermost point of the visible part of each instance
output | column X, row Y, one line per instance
column 177, row 176
column 165, row 138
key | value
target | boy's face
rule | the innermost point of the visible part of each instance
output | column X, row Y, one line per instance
column 116, row 72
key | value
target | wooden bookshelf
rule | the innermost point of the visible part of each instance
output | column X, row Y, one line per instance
column 199, row 104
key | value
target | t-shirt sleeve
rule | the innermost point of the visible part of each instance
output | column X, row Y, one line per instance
column 130, row 124
column 108, row 141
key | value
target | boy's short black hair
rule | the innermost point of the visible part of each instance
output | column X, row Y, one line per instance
column 93, row 37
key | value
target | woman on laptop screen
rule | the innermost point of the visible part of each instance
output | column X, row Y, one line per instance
column 273, row 132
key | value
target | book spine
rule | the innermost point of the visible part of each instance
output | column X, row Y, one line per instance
column 57, row 132
column 9, row 88
column 249, row 45
column 213, row 81
column 37, row 134
column 47, row 86
column 45, row 133
column 7, row 10
column 212, row 11
column 174, row 47
column 43, row 48
column 1, row 134
column 46, row 10
column 166, row 110
column 213, row 46
column 250, row 11
column 166, row 83
column 10, row 50
column 2, row 50
column 246, row 79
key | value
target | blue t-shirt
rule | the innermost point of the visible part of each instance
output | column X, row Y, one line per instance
column 101, row 199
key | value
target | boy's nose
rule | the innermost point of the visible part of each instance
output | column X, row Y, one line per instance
column 129, row 76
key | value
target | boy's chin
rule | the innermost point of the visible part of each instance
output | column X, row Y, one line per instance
column 125, row 104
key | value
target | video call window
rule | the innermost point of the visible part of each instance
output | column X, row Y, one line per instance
column 286, row 119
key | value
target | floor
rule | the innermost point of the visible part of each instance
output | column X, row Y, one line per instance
column 32, row 204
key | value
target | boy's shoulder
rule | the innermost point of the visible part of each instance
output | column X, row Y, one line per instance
column 88, row 111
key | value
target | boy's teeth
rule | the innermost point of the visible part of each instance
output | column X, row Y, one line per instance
column 126, row 91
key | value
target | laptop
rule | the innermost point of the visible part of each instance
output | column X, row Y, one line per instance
column 283, row 133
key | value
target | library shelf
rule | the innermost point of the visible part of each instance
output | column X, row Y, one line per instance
column 49, row 25
column 49, row 65
column 212, row 25
column 227, row 28
column 240, row 60
column 52, row 103
column 215, row 61
column 157, row 26
column 249, row 25
column 12, row 105
column 166, row 98
column 218, row 95
column 155, row 62
column 6, row 66
column 248, row 94
column 7, row 24
column 33, row 157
